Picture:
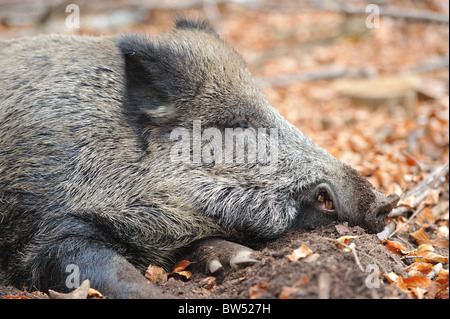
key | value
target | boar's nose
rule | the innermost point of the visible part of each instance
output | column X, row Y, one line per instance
column 375, row 218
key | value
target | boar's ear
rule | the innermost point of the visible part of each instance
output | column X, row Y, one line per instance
column 191, row 24
column 148, row 86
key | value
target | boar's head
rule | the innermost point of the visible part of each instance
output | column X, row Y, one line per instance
column 191, row 82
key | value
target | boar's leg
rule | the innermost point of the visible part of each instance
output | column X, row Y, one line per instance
column 114, row 276
column 216, row 253
column 72, row 260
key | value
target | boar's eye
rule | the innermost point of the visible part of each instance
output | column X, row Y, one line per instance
column 241, row 124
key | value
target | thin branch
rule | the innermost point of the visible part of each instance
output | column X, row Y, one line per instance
column 393, row 12
column 433, row 181
column 423, row 189
column 408, row 221
column 334, row 72
column 325, row 73
column 352, row 249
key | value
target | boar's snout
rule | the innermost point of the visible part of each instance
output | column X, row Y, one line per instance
column 375, row 218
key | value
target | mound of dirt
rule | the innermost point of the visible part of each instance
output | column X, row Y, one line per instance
column 328, row 272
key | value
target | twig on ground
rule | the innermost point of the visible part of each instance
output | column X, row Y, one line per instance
column 352, row 249
column 408, row 221
column 423, row 189
column 324, row 285
column 326, row 73
column 392, row 12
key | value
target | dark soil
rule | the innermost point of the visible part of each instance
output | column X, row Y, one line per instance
column 329, row 272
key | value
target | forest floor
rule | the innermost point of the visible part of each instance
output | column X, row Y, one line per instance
column 376, row 98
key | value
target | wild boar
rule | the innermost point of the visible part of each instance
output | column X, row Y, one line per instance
column 94, row 179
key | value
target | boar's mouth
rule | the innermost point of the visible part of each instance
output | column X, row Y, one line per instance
column 325, row 200
column 317, row 206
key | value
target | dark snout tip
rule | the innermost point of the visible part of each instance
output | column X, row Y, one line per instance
column 376, row 217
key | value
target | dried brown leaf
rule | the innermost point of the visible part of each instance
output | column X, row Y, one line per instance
column 179, row 272
column 155, row 274
column 409, row 201
column 417, row 282
column 425, row 218
column 342, row 229
column 426, row 254
column 432, row 198
column 180, row 266
column 181, row 275
column 395, row 247
column 346, row 239
column 416, row 292
column 287, row 292
column 422, row 238
column 437, row 290
column 299, row 253
column 443, row 274
column 413, row 286
column 15, row 297
column 396, row 280
column 419, row 267
column 257, row 290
